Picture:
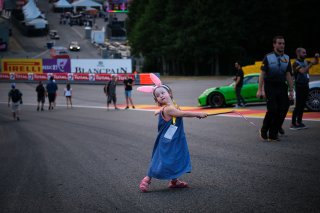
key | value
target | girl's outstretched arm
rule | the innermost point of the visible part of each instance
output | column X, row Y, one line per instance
column 174, row 112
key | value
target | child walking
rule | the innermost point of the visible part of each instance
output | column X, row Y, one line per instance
column 68, row 94
column 170, row 156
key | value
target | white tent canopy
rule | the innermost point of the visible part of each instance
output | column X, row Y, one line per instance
column 62, row 4
column 38, row 23
column 33, row 16
column 86, row 3
column 31, row 11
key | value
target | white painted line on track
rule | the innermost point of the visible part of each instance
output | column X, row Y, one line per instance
column 76, row 31
column 41, row 54
column 151, row 110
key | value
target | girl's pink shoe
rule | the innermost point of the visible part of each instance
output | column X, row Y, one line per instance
column 177, row 184
column 144, row 185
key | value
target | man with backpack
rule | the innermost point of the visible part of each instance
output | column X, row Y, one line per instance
column 110, row 91
column 15, row 97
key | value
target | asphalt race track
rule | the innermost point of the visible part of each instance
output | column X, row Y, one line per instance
column 88, row 159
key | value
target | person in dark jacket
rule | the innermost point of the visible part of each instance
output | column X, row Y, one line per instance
column 15, row 97
column 238, row 83
column 274, row 80
column 110, row 91
column 52, row 91
column 301, row 75
column 41, row 93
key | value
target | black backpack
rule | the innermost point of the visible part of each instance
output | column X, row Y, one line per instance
column 15, row 95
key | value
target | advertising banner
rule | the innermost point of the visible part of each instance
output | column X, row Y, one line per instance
column 5, row 76
column 70, row 77
column 123, row 77
column 103, row 77
column 59, row 76
column 40, row 77
column 81, row 77
column 59, row 65
column 21, row 76
column 107, row 77
column 101, row 66
column 9, row 65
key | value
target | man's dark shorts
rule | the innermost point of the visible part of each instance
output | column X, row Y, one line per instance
column 52, row 97
column 41, row 99
column 112, row 98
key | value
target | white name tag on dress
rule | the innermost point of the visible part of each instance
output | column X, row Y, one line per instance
column 170, row 132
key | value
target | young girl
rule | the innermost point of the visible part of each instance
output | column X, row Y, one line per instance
column 68, row 94
column 170, row 156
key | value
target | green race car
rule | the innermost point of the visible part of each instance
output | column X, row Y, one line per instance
column 226, row 95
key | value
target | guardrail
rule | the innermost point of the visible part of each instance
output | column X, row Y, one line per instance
column 87, row 78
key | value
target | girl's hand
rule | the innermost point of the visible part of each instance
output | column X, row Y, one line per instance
column 156, row 112
column 202, row 115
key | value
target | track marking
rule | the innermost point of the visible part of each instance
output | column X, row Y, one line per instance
column 248, row 113
column 41, row 54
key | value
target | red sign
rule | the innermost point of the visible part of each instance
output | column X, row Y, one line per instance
column 81, row 76
column 5, row 76
column 22, row 76
column 103, row 77
column 60, row 76
column 107, row 77
column 40, row 77
column 122, row 77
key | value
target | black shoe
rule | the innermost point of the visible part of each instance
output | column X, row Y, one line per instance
column 18, row 119
column 273, row 139
column 263, row 135
column 281, row 131
column 302, row 126
column 37, row 108
column 294, row 127
column 126, row 107
column 42, row 109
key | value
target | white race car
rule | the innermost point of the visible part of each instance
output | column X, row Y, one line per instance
column 74, row 46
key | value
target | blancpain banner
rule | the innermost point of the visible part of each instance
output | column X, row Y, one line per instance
column 100, row 66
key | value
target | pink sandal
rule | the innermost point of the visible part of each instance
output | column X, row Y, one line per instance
column 144, row 185
column 177, row 184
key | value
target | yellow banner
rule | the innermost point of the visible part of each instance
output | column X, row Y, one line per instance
column 314, row 70
column 10, row 65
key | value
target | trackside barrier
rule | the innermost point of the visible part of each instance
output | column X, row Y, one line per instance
column 145, row 78
column 314, row 70
column 139, row 79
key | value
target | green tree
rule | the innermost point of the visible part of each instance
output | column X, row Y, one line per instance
column 200, row 37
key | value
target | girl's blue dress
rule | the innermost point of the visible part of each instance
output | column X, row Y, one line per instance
column 170, row 158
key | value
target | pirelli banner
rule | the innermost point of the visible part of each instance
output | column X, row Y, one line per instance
column 21, row 66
